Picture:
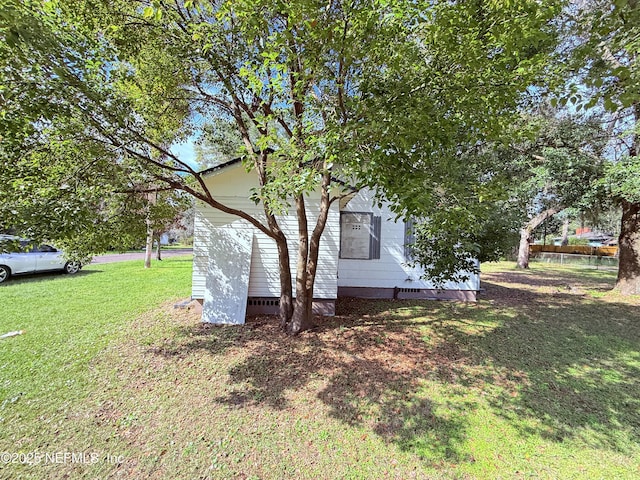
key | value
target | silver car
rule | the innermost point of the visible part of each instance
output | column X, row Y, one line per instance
column 18, row 256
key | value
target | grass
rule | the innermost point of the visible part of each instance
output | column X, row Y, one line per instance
column 539, row 379
column 68, row 321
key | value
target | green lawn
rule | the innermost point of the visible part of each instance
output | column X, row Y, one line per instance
column 539, row 379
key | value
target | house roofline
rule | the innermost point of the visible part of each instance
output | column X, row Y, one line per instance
column 222, row 166
column 217, row 168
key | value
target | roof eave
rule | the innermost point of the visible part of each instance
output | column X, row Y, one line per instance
column 218, row 168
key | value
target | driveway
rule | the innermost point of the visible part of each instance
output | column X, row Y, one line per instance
column 121, row 257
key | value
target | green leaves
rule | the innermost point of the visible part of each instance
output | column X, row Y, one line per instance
column 622, row 179
column 153, row 11
column 603, row 50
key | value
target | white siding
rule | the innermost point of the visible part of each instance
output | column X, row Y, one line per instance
column 264, row 280
column 390, row 270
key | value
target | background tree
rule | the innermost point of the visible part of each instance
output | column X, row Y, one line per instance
column 546, row 164
column 48, row 195
column 163, row 211
column 566, row 217
column 558, row 170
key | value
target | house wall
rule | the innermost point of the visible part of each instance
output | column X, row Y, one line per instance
column 230, row 187
column 389, row 275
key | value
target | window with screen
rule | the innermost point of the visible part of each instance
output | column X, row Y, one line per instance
column 359, row 236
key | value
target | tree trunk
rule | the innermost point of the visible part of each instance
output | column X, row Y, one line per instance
column 524, row 249
column 309, row 251
column 302, row 318
column 284, row 267
column 525, row 235
column 314, row 244
column 149, row 224
column 628, row 282
column 286, row 287
column 149, row 248
column 565, row 232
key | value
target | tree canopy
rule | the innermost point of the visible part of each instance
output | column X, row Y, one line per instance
column 393, row 95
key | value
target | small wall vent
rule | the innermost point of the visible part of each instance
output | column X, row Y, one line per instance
column 263, row 302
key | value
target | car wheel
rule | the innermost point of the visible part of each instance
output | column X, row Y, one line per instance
column 71, row 267
column 5, row 273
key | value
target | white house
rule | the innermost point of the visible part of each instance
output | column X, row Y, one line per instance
column 362, row 254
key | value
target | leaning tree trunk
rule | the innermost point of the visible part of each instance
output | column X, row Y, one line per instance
column 628, row 282
column 314, row 243
column 284, row 267
column 524, row 248
column 525, row 235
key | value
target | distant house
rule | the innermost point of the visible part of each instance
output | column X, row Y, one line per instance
column 593, row 239
column 363, row 253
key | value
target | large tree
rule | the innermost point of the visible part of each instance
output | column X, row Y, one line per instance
column 140, row 77
column 603, row 49
column 384, row 92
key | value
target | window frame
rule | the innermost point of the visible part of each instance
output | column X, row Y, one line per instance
column 375, row 230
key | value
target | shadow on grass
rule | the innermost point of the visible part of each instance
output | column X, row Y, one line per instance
column 557, row 365
column 368, row 371
column 578, row 364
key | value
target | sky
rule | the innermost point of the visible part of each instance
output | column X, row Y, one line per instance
column 185, row 152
